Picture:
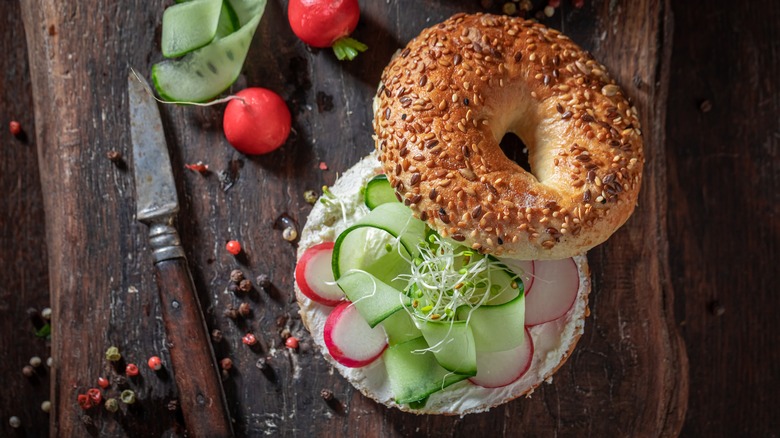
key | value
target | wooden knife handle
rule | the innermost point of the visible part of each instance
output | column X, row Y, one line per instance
column 201, row 396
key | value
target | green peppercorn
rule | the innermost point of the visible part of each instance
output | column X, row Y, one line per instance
column 112, row 405
column 112, row 354
column 127, row 396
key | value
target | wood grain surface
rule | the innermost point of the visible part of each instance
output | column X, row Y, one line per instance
column 629, row 375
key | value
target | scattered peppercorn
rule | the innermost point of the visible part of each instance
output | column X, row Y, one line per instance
column 249, row 339
column 263, row 280
column 509, row 8
column 245, row 285
column 84, row 401
column 112, row 405
column 231, row 312
column 285, row 333
column 114, row 156
column 103, row 382
column 236, row 275
column 233, row 287
column 291, row 343
column 49, row 362
column 127, row 396
column 233, row 247
column 112, row 354
column 86, row 419
column 326, row 394
column 226, row 363
column 261, row 364
column 46, row 313
column 155, row 363
column 15, row 422
column 549, row 11
column 131, row 370
column 244, row 309
column 46, row 406
column 310, row 196
column 323, row 165
column 173, row 405
column 95, row 395
column 289, row 234
column 216, row 336
column 36, row 361
column 28, row 371
column 15, row 128
column 705, row 106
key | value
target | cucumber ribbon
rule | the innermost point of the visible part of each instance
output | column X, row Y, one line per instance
column 213, row 38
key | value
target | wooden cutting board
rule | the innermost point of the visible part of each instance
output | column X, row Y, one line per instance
column 628, row 377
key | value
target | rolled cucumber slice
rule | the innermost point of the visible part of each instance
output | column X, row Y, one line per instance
column 378, row 192
column 393, row 218
column 205, row 73
column 452, row 343
column 373, row 298
column 414, row 373
column 189, row 26
column 496, row 327
column 400, row 328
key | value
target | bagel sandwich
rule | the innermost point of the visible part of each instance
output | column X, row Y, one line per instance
column 439, row 277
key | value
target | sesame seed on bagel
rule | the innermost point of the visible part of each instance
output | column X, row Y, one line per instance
column 445, row 102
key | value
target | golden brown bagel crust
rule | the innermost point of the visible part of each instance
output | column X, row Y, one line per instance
column 448, row 98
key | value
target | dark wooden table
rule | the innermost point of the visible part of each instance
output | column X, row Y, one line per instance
column 681, row 338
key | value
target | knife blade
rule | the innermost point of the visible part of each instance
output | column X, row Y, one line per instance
column 201, row 397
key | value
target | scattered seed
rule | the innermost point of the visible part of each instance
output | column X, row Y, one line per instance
column 128, row 396
column 310, row 196
column 112, row 354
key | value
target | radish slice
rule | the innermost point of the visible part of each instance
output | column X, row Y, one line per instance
column 314, row 275
column 555, row 289
column 349, row 338
column 500, row 368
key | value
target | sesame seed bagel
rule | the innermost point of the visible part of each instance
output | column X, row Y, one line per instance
column 445, row 102
column 553, row 341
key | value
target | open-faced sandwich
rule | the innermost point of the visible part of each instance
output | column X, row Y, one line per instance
column 437, row 275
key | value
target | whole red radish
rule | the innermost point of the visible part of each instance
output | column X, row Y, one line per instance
column 327, row 23
column 258, row 123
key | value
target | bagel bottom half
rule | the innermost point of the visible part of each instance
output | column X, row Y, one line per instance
column 553, row 341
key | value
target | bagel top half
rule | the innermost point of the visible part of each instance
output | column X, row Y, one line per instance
column 446, row 101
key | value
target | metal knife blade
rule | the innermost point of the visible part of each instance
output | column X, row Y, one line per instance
column 155, row 190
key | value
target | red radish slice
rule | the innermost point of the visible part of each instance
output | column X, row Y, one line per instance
column 349, row 338
column 314, row 275
column 555, row 288
column 500, row 368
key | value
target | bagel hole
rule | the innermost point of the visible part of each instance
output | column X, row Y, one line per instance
column 514, row 149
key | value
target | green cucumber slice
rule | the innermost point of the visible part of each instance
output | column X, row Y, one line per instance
column 452, row 342
column 496, row 327
column 400, row 328
column 228, row 21
column 378, row 192
column 205, row 73
column 189, row 26
column 414, row 373
column 374, row 299
column 349, row 250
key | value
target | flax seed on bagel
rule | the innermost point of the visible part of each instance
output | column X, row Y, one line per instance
column 446, row 101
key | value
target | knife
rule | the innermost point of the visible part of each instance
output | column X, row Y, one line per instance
column 201, row 396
